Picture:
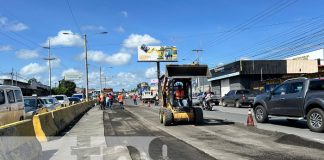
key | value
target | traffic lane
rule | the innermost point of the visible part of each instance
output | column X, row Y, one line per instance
column 223, row 140
column 278, row 124
column 123, row 125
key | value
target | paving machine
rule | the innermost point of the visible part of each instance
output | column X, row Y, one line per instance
column 177, row 80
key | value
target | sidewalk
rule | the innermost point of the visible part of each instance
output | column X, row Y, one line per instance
column 85, row 140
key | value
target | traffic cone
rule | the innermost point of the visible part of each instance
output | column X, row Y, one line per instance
column 250, row 121
column 149, row 103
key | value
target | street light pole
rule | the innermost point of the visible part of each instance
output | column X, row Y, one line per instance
column 86, row 65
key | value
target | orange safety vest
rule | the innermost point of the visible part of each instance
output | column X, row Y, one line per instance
column 179, row 94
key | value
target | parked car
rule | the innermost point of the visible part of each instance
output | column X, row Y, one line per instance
column 300, row 97
column 79, row 95
column 74, row 100
column 33, row 106
column 11, row 104
column 238, row 98
column 50, row 103
column 62, row 99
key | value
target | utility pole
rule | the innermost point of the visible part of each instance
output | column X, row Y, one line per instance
column 197, row 52
column 105, row 82
column 49, row 59
column 16, row 78
column 86, row 66
column 158, row 76
column 12, row 77
column 100, row 80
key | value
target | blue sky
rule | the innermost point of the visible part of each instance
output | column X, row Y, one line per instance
column 25, row 26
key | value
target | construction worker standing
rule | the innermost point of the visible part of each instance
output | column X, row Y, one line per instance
column 120, row 100
column 102, row 101
column 179, row 95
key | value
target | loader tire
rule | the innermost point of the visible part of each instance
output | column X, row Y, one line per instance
column 199, row 117
column 167, row 117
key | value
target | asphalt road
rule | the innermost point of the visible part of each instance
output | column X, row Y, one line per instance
column 279, row 124
column 124, row 125
column 224, row 140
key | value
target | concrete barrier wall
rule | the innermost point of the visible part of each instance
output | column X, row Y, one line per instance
column 18, row 141
column 51, row 123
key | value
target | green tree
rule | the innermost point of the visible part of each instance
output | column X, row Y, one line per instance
column 65, row 87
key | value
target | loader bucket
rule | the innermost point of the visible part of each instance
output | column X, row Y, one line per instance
column 186, row 70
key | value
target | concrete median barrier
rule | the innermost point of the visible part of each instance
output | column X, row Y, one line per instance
column 44, row 126
column 18, row 141
column 52, row 123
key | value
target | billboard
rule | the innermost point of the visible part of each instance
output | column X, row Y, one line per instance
column 154, row 82
column 73, row 76
column 157, row 53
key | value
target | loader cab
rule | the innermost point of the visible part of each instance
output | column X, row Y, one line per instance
column 180, row 85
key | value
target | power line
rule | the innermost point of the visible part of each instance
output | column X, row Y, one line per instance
column 73, row 17
column 265, row 14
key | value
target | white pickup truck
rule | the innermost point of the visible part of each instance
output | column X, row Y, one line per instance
column 148, row 96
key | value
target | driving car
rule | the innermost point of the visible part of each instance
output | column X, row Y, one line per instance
column 11, row 104
column 62, row 99
column 50, row 103
column 33, row 106
column 78, row 95
column 74, row 100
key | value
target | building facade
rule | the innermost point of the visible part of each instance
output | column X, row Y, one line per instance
column 242, row 74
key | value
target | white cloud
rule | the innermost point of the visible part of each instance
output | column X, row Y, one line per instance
column 115, row 59
column 120, row 29
column 96, row 56
column 92, row 28
column 151, row 72
column 32, row 68
column 4, row 48
column 55, row 63
column 124, row 13
column 135, row 40
column 15, row 26
column 69, row 39
column 27, row 54
column 119, row 58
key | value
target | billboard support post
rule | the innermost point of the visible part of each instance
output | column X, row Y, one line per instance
column 158, row 76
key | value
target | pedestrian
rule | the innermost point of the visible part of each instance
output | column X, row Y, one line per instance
column 101, row 101
column 156, row 100
column 134, row 99
column 111, row 100
column 120, row 100
column 107, row 101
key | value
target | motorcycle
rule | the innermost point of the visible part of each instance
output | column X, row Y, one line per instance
column 206, row 105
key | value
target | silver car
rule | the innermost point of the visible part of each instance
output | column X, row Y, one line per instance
column 50, row 103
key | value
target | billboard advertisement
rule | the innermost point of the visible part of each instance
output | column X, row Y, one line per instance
column 154, row 82
column 73, row 76
column 157, row 53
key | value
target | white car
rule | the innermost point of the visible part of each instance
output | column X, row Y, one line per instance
column 11, row 104
column 62, row 99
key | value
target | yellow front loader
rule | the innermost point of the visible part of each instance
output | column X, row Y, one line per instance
column 177, row 78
